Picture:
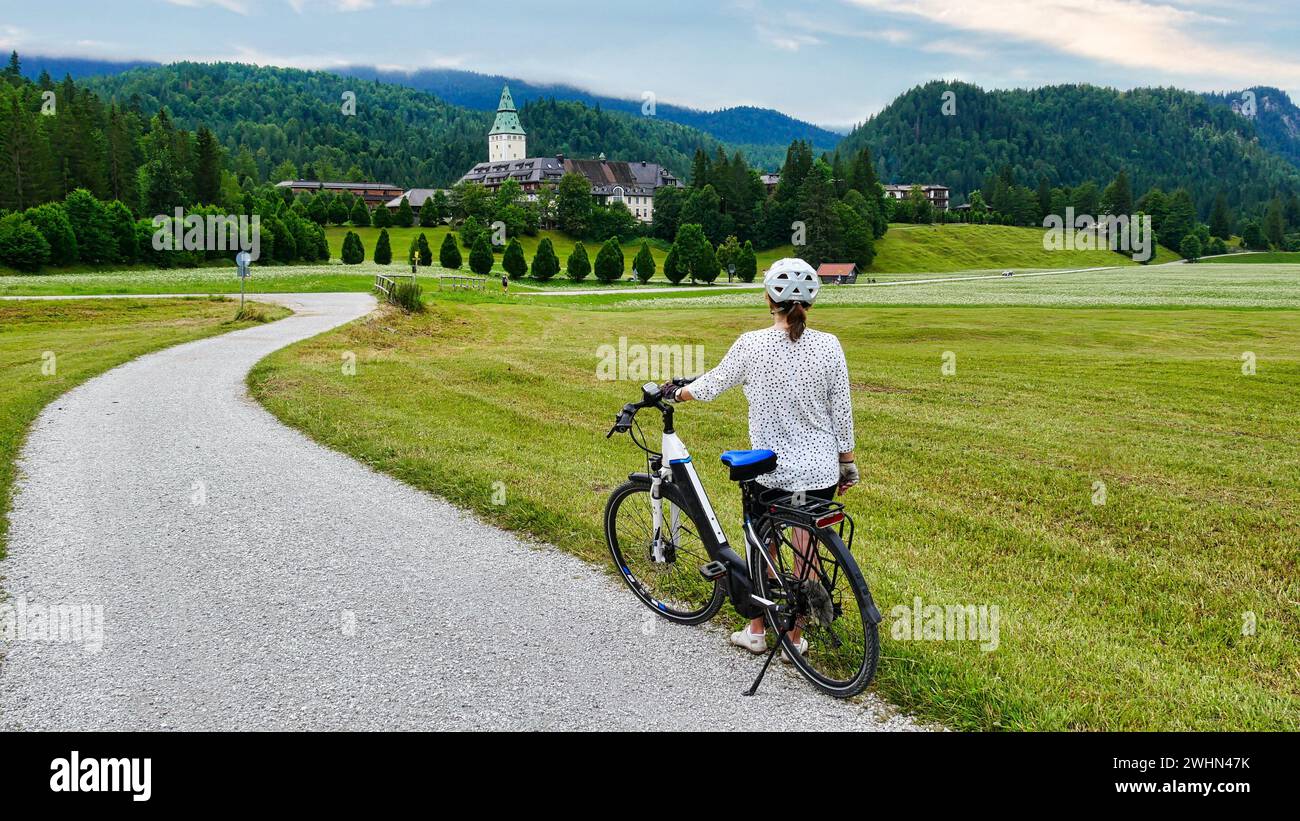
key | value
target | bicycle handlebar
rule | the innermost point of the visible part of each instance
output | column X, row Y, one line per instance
column 651, row 396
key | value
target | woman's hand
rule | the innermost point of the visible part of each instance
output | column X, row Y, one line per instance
column 848, row 475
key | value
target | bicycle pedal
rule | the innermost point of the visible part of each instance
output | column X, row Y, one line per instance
column 713, row 571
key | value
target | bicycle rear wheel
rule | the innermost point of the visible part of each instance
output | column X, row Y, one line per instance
column 670, row 583
column 813, row 574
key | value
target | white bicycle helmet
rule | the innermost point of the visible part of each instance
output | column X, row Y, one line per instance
column 791, row 279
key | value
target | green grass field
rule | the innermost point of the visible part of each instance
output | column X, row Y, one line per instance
column 1256, row 258
column 85, row 338
column 978, row 488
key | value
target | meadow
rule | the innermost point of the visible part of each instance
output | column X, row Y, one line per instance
column 1113, row 465
column 49, row 347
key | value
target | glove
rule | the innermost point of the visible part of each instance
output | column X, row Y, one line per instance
column 668, row 391
column 848, row 475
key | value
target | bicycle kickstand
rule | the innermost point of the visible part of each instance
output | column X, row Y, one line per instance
column 753, row 688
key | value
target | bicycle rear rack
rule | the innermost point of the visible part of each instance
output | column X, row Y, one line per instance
column 811, row 513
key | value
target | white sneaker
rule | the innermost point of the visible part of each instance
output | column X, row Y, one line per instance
column 753, row 642
column 803, row 648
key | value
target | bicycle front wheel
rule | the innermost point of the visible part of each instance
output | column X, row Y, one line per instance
column 826, row 600
column 665, row 575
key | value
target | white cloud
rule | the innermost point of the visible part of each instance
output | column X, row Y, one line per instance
column 786, row 41
column 1134, row 34
column 237, row 6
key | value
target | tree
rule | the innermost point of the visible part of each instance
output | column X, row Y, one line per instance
column 21, row 246
column 695, row 255
column 644, row 263
column 449, row 253
column 747, row 266
column 360, row 216
column 353, row 252
column 672, row 271
column 470, row 230
column 1275, row 223
column 578, row 266
column 424, row 253
column 609, row 261
column 1117, row 199
column 545, row 263
column 1221, row 217
column 513, row 261
column 429, row 214
column 480, row 256
column 573, row 203
column 668, row 203
column 382, row 218
column 405, row 217
column 207, row 171
column 1180, row 218
column 52, row 221
column 89, row 219
column 728, row 253
column 1190, row 247
column 383, row 249
column 122, row 226
column 338, row 211
column 1252, row 235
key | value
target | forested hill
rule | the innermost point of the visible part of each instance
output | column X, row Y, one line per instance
column 398, row 135
column 738, row 124
column 1277, row 119
column 1070, row 134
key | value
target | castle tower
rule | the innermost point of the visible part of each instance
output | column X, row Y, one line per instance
column 507, row 140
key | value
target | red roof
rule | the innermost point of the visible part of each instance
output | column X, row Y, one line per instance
column 836, row 269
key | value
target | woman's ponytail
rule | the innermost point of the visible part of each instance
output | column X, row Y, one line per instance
column 796, row 320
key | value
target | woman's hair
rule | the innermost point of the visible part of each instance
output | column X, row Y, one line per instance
column 796, row 317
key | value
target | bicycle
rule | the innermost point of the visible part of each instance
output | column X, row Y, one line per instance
column 799, row 572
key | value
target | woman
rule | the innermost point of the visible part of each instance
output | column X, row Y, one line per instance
column 797, row 384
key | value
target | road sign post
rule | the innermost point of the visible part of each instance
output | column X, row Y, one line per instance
column 242, row 260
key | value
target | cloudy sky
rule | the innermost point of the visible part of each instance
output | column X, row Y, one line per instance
column 829, row 61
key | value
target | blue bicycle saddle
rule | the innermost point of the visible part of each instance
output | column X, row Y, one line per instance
column 749, row 464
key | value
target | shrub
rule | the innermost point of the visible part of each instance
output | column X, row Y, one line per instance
column 381, row 218
column 52, row 221
column 480, row 256
column 383, row 249
column 609, row 261
column 449, row 253
column 513, row 262
column 644, row 264
column 672, row 270
column 1190, row 247
column 405, row 294
column 89, row 218
column 353, row 252
column 545, row 263
column 360, row 216
column 747, row 266
column 21, row 245
column 405, row 217
column 578, row 266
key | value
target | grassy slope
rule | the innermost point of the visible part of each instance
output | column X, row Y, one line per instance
column 977, row 488
column 905, row 249
column 939, row 248
column 87, row 338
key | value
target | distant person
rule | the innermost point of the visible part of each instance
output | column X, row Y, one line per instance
column 505, row 284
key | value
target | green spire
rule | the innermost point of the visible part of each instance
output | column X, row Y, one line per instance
column 507, row 121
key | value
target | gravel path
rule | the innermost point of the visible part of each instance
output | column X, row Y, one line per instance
column 252, row 579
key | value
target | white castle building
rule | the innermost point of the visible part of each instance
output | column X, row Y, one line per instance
column 632, row 183
column 507, row 140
